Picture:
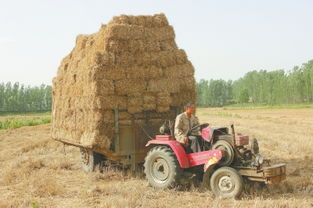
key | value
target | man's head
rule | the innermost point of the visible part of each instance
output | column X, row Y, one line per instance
column 190, row 108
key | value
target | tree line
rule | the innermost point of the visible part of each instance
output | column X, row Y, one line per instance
column 260, row 87
column 16, row 97
column 255, row 87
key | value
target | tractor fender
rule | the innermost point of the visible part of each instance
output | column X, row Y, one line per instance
column 209, row 168
column 206, row 177
column 177, row 148
column 214, row 158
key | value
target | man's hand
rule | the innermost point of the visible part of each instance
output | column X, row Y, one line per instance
column 186, row 141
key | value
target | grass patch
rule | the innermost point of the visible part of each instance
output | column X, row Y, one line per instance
column 223, row 114
column 19, row 120
column 267, row 107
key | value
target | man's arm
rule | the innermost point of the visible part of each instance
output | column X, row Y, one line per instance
column 179, row 134
column 195, row 123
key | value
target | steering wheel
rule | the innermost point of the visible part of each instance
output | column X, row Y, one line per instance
column 202, row 126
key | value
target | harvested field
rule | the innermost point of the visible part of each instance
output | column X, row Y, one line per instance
column 35, row 170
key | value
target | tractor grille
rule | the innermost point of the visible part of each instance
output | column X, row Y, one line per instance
column 274, row 170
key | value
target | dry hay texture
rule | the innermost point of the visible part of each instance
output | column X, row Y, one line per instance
column 131, row 64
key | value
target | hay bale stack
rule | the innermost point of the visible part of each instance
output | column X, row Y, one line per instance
column 131, row 64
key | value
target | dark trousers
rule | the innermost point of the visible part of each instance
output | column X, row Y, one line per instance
column 194, row 144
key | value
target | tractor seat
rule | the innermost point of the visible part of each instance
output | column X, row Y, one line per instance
column 164, row 137
column 167, row 128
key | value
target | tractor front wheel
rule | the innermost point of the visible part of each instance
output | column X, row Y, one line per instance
column 161, row 168
column 226, row 182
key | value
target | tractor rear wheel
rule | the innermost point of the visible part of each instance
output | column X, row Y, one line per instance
column 161, row 168
column 229, row 153
column 226, row 182
column 90, row 160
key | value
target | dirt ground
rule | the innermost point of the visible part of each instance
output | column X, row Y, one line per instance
column 36, row 171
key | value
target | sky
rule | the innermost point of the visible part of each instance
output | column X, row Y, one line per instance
column 223, row 39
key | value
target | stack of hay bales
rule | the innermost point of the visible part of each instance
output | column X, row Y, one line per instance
column 131, row 64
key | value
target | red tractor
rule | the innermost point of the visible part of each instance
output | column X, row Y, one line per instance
column 224, row 164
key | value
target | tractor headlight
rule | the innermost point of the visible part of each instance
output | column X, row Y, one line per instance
column 259, row 159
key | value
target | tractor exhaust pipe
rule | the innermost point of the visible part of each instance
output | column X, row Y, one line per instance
column 234, row 141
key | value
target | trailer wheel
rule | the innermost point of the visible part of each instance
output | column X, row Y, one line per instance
column 229, row 153
column 91, row 161
column 161, row 168
column 226, row 182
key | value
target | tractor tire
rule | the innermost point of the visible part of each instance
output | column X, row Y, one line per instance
column 161, row 168
column 91, row 161
column 226, row 183
column 229, row 153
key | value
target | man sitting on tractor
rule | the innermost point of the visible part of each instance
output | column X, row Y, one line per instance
column 184, row 132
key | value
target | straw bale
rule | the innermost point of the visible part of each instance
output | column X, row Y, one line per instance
column 124, row 32
column 114, row 73
column 108, row 102
column 132, row 64
column 160, row 59
column 163, row 59
column 168, row 45
column 124, row 116
column 94, row 117
column 125, row 122
column 57, row 89
column 106, row 72
column 122, row 19
column 181, row 56
column 134, row 109
column 74, row 90
column 133, row 46
column 157, row 20
column 81, row 41
column 95, row 140
column 176, row 99
column 97, row 40
column 120, row 46
column 149, row 102
column 173, row 71
column 187, row 69
column 104, row 58
column 128, row 86
column 163, row 85
column 149, row 98
column 135, row 32
column 187, row 83
column 102, row 87
column 151, row 46
column 187, row 96
column 163, row 99
column 136, row 72
column 149, row 106
column 159, row 33
column 124, row 59
column 64, row 65
column 134, row 101
column 140, row 72
column 163, row 108
column 65, row 135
